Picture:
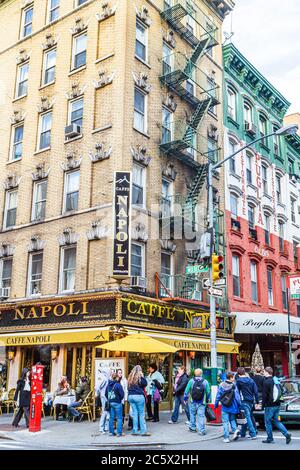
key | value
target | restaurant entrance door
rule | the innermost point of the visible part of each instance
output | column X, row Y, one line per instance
column 38, row 354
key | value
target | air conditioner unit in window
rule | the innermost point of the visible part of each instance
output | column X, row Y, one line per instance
column 250, row 128
column 197, row 295
column 138, row 281
column 73, row 130
column 4, row 292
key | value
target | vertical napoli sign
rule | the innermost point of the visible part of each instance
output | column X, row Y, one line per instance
column 122, row 225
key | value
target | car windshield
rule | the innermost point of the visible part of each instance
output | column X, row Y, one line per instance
column 291, row 387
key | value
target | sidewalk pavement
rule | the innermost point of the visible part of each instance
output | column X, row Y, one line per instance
column 68, row 434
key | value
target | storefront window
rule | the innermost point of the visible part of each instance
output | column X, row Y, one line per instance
column 3, row 369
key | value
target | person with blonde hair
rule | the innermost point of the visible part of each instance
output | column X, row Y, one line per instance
column 136, row 398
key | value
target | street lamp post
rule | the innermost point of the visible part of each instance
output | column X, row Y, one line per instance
column 287, row 130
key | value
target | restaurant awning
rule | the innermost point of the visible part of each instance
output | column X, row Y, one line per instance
column 87, row 335
column 265, row 323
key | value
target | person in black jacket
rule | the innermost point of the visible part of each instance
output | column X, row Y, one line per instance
column 259, row 380
column 23, row 390
column 272, row 408
column 181, row 382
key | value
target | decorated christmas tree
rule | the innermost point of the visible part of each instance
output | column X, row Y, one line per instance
column 257, row 359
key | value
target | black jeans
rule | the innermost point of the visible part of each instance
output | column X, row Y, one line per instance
column 155, row 414
column 19, row 414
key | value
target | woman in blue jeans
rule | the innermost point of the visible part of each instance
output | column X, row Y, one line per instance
column 115, row 394
column 136, row 399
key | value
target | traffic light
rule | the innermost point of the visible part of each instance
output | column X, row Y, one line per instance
column 217, row 267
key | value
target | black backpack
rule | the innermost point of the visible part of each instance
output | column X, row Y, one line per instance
column 228, row 397
column 198, row 390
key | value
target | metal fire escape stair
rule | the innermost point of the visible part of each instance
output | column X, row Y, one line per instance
column 195, row 121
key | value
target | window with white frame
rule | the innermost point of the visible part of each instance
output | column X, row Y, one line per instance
column 137, row 259
column 234, row 201
column 49, row 67
column 232, row 162
column 247, row 114
column 249, row 167
column 68, row 269
column 53, row 10
column 231, row 103
column 79, row 51
column 17, row 142
column 264, row 174
column 167, row 118
column 6, row 272
column 254, row 283
column 190, row 20
column 72, row 180
column 45, row 131
column 39, row 200
column 22, row 80
column 212, row 150
column 10, row 213
column 284, row 293
column 167, row 60
column 281, row 230
column 236, row 276
column 267, row 218
column 293, row 209
column 138, row 185
column 251, row 216
column 270, row 287
column 278, row 188
column 263, row 128
column 35, row 270
column 166, row 202
column 276, row 141
column 141, row 41
column 166, row 272
column 27, row 16
column 76, row 112
column 80, row 2
column 140, row 110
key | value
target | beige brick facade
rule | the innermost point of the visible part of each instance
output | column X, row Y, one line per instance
column 107, row 120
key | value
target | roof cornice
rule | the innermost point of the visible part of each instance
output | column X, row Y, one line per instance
column 242, row 70
column 221, row 7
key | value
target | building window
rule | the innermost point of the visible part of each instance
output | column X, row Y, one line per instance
column 295, row 248
column 49, row 67
column 17, row 142
column 264, row 171
column 166, row 273
column 276, row 142
column 251, row 216
column 281, row 236
column 293, row 210
column 254, row 283
column 79, row 51
column 81, row 2
column 141, row 41
column 166, row 126
column 231, row 104
column 39, row 200
column 138, row 185
column 267, row 229
column 249, row 168
column 234, row 200
column 284, row 293
column 76, row 112
column 212, row 150
column 6, row 272
column 72, row 180
column 10, row 213
column 22, row 80
column 270, row 287
column 232, row 161
column 247, row 115
column 263, row 129
column 53, row 10
column 236, row 276
column 291, row 167
column 68, row 269
column 166, row 202
column 35, row 273
column 137, row 260
column 167, row 61
column 45, row 131
column 278, row 188
column 27, row 21
column 140, row 112
column 190, row 20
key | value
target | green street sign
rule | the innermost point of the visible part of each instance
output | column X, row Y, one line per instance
column 196, row 269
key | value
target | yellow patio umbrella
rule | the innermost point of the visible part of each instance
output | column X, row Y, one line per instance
column 138, row 343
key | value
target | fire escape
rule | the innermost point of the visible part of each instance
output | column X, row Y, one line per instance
column 181, row 139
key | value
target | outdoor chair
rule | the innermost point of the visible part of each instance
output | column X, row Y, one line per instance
column 86, row 408
column 9, row 402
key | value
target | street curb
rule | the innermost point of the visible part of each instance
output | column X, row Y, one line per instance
column 4, row 436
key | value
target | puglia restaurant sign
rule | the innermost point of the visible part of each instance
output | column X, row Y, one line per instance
column 122, row 217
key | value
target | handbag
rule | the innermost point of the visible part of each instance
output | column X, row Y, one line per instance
column 156, row 396
column 210, row 414
column 107, row 406
column 241, row 418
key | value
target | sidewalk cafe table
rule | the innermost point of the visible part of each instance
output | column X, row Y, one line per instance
column 64, row 400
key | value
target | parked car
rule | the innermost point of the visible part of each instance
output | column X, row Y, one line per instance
column 290, row 406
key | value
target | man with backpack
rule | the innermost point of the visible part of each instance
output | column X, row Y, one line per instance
column 199, row 391
column 271, row 394
column 229, row 397
column 249, row 396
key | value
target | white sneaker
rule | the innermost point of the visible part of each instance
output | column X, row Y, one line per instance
column 187, row 422
column 236, row 435
column 227, row 441
column 172, row 422
column 252, row 438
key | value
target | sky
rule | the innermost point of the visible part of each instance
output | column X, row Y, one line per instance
column 267, row 32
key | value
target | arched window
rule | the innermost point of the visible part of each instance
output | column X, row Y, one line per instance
column 231, row 103
column 276, row 141
column 284, row 292
column 270, row 286
column 281, row 229
column 249, row 165
column 263, row 128
column 232, row 148
column 267, row 220
column 234, row 203
column 251, row 216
